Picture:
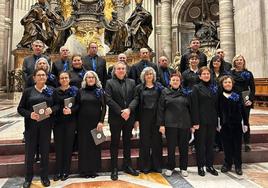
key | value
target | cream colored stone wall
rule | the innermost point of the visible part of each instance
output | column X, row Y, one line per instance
column 250, row 21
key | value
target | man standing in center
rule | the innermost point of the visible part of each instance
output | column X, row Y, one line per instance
column 95, row 63
column 137, row 68
column 119, row 93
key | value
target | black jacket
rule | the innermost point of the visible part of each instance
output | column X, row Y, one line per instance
column 137, row 68
column 101, row 69
column 205, row 105
column 231, row 111
column 184, row 64
column 189, row 79
column 174, row 109
column 58, row 67
column 118, row 97
column 161, row 75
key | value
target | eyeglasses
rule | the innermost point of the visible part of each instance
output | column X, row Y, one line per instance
column 41, row 75
column 64, row 78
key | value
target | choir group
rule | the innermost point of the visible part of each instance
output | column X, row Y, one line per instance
column 208, row 102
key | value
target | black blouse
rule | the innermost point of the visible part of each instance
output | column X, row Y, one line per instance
column 189, row 79
column 31, row 97
column 60, row 95
column 77, row 76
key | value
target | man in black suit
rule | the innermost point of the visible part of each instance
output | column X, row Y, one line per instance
column 137, row 68
column 29, row 61
column 226, row 65
column 95, row 63
column 123, row 58
column 194, row 48
column 120, row 92
column 164, row 71
column 64, row 64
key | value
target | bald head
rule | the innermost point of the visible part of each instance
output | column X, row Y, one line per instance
column 163, row 62
column 144, row 54
column 122, row 57
column 220, row 52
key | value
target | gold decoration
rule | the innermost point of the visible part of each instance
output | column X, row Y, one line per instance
column 126, row 2
column 138, row 1
column 108, row 9
column 86, row 33
column 67, row 8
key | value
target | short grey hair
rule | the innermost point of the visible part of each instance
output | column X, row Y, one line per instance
column 146, row 70
column 84, row 82
column 63, row 47
column 42, row 59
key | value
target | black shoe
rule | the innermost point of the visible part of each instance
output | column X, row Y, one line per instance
column 27, row 184
column 145, row 171
column 131, row 171
column 247, row 148
column 45, row 182
column 225, row 168
column 57, row 177
column 93, row 175
column 114, row 174
column 212, row 171
column 64, row 177
column 238, row 171
column 201, row 171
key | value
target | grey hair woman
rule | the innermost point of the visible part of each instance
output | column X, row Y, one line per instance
column 145, row 71
column 97, row 80
column 43, row 64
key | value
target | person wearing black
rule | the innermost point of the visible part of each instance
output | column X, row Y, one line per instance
column 65, row 125
column 217, row 71
column 121, row 57
column 226, row 65
column 136, row 69
column 34, row 128
column 231, row 113
column 119, row 94
column 244, row 81
column 92, row 110
column 190, row 77
column 77, row 71
column 145, row 102
column 194, row 48
column 42, row 63
column 95, row 63
column 64, row 64
column 204, row 120
column 175, row 122
column 164, row 71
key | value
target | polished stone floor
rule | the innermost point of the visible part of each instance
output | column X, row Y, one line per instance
column 255, row 175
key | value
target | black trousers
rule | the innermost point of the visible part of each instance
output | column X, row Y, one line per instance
column 177, row 137
column 35, row 135
column 126, row 128
column 64, row 139
column 150, row 141
column 232, row 141
column 246, row 135
column 204, row 140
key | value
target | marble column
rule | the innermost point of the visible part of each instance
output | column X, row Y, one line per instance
column 166, row 28
column 227, row 35
column 3, row 40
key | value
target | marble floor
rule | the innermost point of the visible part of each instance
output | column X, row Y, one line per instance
column 254, row 176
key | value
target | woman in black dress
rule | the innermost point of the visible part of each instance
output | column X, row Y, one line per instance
column 231, row 112
column 92, row 109
column 65, row 125
column 37, row 132
column 146, row 98
column 205, row 119
column 42, row 63
column 175, row 122
column 77, row 71
column 217, row 71
column 244, row 81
